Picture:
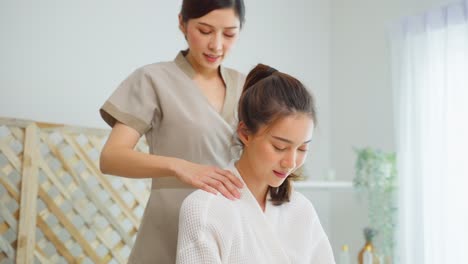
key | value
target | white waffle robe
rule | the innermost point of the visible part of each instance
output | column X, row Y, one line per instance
column 214, row 229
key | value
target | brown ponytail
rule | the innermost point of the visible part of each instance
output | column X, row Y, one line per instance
column 257, row 74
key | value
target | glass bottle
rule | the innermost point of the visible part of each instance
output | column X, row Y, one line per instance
column 367, row 257
column 344, row 255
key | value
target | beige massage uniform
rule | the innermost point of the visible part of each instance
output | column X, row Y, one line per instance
column 162, row 102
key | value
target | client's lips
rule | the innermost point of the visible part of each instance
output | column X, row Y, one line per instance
column 281, row 175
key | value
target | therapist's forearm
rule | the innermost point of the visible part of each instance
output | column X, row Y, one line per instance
column 133, row 164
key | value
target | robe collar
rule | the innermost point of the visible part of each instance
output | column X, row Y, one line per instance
column 265, row 223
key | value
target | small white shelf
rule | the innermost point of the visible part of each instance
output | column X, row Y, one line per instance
column 323, row 185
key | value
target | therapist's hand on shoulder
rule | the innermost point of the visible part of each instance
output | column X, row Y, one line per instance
column 209, row 178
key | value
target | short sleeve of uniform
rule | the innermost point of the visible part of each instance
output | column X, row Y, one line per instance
column 133, row 103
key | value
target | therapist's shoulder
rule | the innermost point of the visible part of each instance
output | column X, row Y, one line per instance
column 151, row 73
column 235, row 75
column 158, row 68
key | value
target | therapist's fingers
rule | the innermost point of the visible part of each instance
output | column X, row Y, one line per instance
column 227, row 183
column 207, row 188
column 219, row 186
column 208, row 178
column 233, row 178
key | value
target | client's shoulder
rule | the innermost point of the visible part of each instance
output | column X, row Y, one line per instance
column 203, row 203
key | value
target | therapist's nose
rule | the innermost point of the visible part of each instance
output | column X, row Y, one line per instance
column 216, row 42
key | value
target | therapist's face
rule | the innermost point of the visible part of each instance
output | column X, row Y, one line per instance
column 211, row 37
column 278, row 149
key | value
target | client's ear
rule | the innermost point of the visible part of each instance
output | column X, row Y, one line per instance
column 243, row 133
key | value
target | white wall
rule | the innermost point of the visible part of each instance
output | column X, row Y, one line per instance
column 60, row 60
column 361, row 102
column 294, row 38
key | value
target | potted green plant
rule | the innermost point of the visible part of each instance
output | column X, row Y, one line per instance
column 375, row 180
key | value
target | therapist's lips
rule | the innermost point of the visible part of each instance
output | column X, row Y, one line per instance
column 211, row 58
column 281, row 175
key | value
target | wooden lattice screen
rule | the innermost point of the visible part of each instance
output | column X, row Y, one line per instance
column 55, row 204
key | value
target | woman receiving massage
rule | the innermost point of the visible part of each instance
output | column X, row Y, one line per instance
column 270, row 223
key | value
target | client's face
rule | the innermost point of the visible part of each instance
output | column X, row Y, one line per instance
column 278, row 149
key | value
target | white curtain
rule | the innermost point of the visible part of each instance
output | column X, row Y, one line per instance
column 430, row 79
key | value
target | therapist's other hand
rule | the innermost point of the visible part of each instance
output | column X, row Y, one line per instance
column 209, row 178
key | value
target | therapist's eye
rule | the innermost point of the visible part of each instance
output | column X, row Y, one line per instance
column 204, row 32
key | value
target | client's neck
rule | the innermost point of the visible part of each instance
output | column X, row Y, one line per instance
column 257, row 186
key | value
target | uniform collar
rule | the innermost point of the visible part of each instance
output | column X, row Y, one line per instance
column 187, row 68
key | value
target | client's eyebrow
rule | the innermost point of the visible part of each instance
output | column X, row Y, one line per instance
column 289, row 141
